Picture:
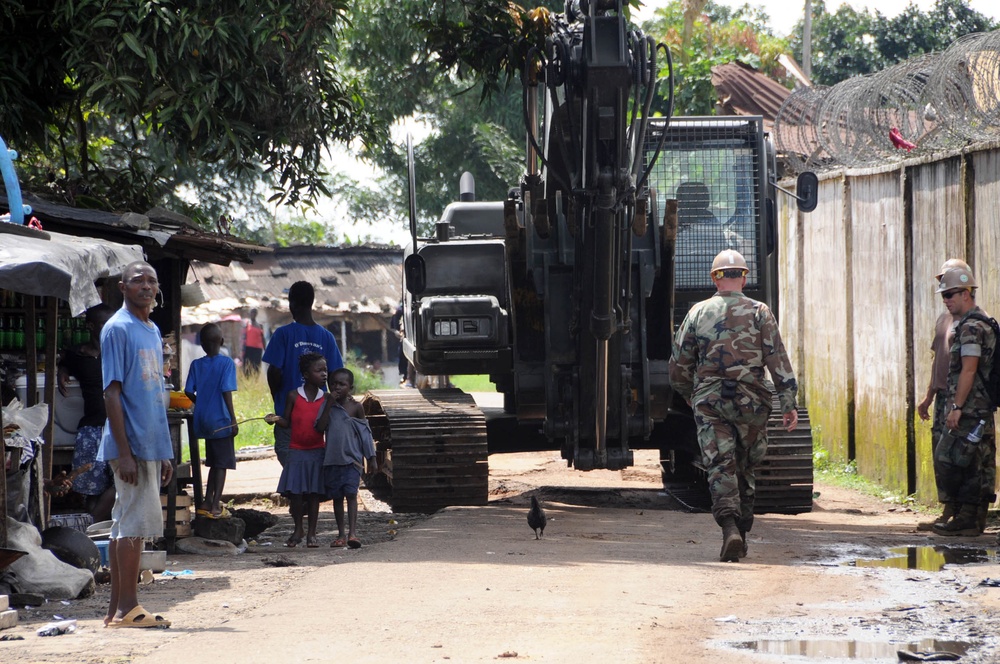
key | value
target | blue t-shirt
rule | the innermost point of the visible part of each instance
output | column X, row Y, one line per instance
column 132, row 354
column 288, row 344
column 209, row 378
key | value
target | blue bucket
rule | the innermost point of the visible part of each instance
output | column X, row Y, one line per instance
column 102, row 548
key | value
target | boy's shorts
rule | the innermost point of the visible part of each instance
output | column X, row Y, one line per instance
column 220, row 453
column 137, row 511
column 340, row 481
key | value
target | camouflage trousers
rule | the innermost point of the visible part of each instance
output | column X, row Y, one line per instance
column 944, row 472
column 937, row 428
column 732, row 434
column 967, row 474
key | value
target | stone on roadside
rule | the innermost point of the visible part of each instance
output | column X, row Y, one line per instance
column 257, row 521
column 228, row 530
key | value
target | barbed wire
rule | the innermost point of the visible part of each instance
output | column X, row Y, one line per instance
column 928, row 103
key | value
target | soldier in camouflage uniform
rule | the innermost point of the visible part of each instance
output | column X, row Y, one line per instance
column 937, row 394
column 718, row 361
column 966, row 476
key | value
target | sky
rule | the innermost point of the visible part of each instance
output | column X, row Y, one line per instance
column 785, row 13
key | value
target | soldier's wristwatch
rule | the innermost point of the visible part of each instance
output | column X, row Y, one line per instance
column 955, row 406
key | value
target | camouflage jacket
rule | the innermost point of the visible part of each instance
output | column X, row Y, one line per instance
column 731, row 336
column 972, row 338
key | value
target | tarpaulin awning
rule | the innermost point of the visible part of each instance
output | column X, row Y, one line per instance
column 63, row 266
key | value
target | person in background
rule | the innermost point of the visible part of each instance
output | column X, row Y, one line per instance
column 403, row 365
column 83, row 362
column 944, row 332
column 719, row 357
column 253, row 345
column 967, row 469
column 289, row 343
column 211, row 382
column 136, row 440
column 302, row 475
column 349, row 444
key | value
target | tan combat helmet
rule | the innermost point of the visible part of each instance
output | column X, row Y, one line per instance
column 956, row 277
column 729, row 259
column 950, row 263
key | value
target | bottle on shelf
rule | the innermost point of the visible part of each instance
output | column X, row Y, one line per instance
column 19, row 335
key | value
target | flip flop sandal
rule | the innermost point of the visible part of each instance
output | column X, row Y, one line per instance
column 140, row 617
column 292, row 542
column 354, row 543
column 338, row 543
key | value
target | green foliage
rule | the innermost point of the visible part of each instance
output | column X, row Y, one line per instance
column 850, row 43
column 119, row 103
column 846, row 475
column 717, row 35
column 478, row 383
column 458, row 91
column 913, row 32
column 843, row 44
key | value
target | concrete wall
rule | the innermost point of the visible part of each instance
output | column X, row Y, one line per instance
column 858, row 304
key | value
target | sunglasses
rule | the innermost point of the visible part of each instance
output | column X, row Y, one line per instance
column 948, row 296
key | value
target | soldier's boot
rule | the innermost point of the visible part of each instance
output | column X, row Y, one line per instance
column 963, row 524
column 984, row 511
column 732, row 543
column 950, row 510
column 745, row 523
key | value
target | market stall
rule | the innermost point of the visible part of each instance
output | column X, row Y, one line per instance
column 46, row 277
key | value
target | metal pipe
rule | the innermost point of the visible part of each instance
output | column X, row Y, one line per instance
column 532, row 109
column 601, row 419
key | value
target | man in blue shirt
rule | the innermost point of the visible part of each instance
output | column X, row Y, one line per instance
column 136, row 439
column 288, row 343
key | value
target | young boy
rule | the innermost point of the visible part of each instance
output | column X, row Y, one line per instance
column 348, row 443
column 210, row 385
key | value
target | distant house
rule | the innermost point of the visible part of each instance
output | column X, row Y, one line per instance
column 357, row 290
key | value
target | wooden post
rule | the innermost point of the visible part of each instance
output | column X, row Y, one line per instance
column 3, row 488
column 51, row 343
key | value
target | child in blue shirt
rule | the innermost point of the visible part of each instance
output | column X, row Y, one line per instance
column 348, row 444
column 210, row 385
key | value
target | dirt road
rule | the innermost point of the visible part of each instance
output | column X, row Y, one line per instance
column 617, row 577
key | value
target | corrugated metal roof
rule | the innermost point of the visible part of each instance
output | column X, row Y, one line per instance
column 348, row 280
column 743, row 90
column 159, row 231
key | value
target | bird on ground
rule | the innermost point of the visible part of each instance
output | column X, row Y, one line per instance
column 536, row 518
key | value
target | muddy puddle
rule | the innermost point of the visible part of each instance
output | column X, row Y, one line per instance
column 827, row 649
column 929, row 558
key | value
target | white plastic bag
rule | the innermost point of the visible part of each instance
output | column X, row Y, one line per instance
column 31, row 421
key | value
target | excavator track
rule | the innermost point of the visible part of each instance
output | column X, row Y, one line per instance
column 785, row 476
column 431, row 446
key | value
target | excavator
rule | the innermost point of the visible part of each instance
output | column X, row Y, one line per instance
column 567, row 293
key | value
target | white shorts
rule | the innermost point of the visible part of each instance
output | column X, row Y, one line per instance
column 137, row 511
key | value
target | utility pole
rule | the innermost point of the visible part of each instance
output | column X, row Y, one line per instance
column 807, row 25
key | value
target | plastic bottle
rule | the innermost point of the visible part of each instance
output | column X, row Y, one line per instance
column 976, row 434
column 19, row 334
